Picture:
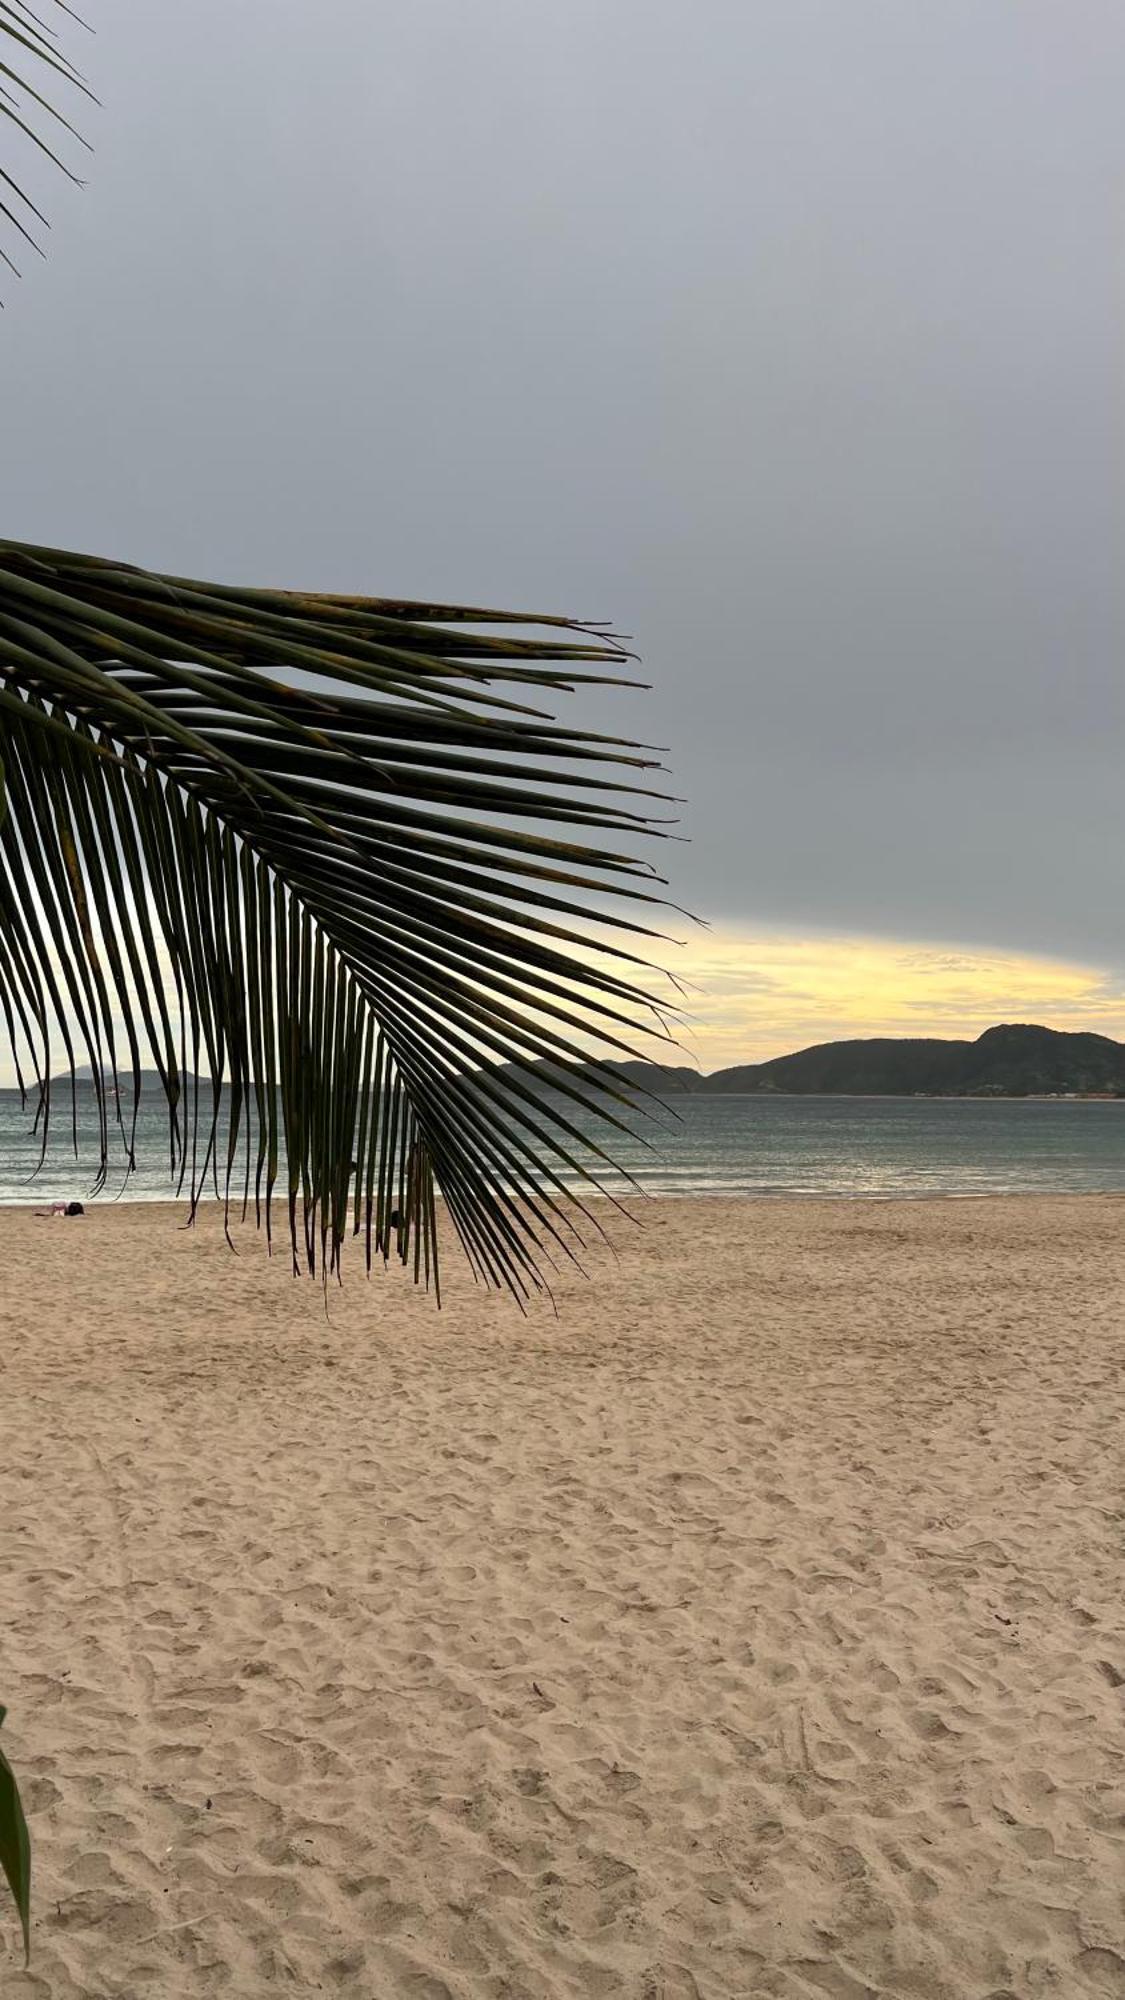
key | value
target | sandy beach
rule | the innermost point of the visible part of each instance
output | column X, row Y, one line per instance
column 755, row 1626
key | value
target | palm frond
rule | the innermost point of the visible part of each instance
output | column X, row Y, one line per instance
column 15, row 1846
column 35, row 72
column 331, row 855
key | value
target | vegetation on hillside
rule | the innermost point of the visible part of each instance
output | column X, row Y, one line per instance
column 1006, row 1061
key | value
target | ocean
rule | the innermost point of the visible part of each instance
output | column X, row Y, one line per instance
column 840, row 1146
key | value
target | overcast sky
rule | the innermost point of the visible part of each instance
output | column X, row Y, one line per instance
column 790, row 336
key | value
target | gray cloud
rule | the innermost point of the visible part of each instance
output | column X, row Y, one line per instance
column 789, row 335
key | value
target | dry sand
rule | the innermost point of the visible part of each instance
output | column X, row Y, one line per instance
column 755, row 1627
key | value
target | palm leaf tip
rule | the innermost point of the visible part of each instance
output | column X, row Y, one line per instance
column 323, row 853
column 37, row 78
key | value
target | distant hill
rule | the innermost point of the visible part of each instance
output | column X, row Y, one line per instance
column 662, row 1079
column 150, row 1080
column 1007, row 1061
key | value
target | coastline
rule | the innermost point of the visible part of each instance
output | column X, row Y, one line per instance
column 645, row 1201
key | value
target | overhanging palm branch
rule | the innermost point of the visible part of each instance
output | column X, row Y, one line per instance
column 327, row 852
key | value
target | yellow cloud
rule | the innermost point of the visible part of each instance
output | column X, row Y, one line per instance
column 750, row 994
column 760, row 993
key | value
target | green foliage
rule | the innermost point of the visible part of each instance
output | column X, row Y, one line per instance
column 15, row 1847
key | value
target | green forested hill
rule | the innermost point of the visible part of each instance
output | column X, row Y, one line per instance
column 1009, row 1061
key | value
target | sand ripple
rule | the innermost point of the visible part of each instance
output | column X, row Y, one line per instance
column 754, row 1628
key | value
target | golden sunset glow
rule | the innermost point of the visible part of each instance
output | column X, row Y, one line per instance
column 747, row 995
column 756, row 994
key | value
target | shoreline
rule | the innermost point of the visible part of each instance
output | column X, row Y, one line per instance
column 620, row 1199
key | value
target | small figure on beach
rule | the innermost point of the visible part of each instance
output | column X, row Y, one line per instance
column 63, row 1208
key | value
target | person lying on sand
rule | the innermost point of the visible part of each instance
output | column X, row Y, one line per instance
column 63, row 1208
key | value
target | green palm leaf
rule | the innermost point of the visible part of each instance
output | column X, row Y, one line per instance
column 327, row 853
column 15, row 1846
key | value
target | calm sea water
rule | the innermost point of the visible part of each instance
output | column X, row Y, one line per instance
column 736, row 1145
